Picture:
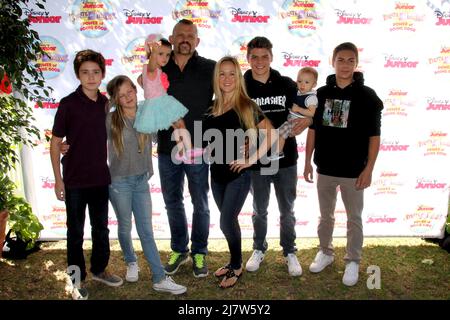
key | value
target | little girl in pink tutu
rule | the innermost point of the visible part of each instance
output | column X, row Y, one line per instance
column 160, row 111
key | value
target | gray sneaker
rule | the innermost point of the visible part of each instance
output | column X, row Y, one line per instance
column 108, row 279
column 176, row 259
column 80, row 294
column 199, row 266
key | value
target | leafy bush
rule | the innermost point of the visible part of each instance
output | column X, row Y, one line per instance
column 22, row 221
column 22, row 84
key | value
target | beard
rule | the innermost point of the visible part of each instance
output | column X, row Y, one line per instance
column 184, row 48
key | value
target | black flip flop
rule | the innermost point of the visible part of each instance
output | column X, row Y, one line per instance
column 227, row 267
column 230, row 274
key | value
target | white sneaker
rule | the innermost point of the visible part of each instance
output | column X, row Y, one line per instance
column 276, row 156
column 294, row 267
column 320, row 262
column 168, row 285
column 254, row 261
column 132, row 272
column 351, row 274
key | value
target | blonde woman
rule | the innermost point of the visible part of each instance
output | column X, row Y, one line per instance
column 232, row 112
column 130, row 165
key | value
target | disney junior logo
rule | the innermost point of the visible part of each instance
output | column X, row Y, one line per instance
column 292, row 60
column 393, row 146
column 40, row 16
column 46, row 103
column 136, row 17
column 423, row 183
column 250, row 16
column 381, row 219
column 399, row 62
column 443, row 18
column 345, row 17
column 47, row 183
column 438, row 104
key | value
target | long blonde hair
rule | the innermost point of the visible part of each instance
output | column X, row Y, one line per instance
column 118, row 117
column 244, row 106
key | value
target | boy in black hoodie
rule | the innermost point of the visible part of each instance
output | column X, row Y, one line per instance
column 274, row 95
column 345, row 136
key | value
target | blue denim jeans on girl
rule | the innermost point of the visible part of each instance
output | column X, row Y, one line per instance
column 131, row 195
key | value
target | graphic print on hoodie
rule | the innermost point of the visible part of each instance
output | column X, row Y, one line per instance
column 336, row 113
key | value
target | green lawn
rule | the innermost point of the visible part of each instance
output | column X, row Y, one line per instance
column 404, row 274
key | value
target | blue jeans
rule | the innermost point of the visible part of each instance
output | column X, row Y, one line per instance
column 285, row 183
column 172, row 186
column 230, row 198
column 131, row 195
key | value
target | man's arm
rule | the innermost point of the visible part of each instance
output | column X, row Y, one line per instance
column 310, row 141
column 300, row 125
column 55, row 144
column 365, row 178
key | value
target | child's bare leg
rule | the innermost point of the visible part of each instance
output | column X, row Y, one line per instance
column 280, row 144
column 186, row 139
column 179, row 141
column 277, row 148
column 183, row 134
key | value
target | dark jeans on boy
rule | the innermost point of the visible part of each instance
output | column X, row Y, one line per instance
column 96, row 199
column 285, row 183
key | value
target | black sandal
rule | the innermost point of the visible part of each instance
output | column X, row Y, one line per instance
column 230, row 274
column 227, row 268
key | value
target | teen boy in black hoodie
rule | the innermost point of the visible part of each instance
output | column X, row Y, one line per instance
column 274, row 95
column 345, row 136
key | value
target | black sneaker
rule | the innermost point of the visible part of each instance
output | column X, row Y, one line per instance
column 199, row 265
column 176, row 259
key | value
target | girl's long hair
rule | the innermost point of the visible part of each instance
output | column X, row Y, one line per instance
column 118, row 117
column 244, row 106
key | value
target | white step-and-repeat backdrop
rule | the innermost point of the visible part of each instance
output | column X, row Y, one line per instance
column 404, row 53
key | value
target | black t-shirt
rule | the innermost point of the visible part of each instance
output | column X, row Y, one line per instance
column 223, row 132
column 193, row 87
column 82, row 121
column 344, row 121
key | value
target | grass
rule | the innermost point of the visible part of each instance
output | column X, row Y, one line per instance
column 404, row 275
